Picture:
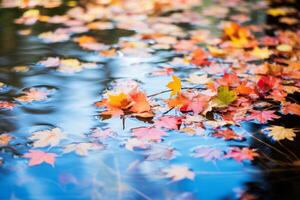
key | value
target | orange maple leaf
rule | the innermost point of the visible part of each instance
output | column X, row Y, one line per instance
column 244, row 89
column 4, row 139
column 140, row 103
column 290, row 108
column 179, row 101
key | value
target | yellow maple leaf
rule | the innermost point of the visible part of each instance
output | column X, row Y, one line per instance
column 118, row 100
column 175, row 85
column 280, row 133
column 215, row 51
column 277, row 11
column 239, row 42
column 261, row 53
column 284, row 48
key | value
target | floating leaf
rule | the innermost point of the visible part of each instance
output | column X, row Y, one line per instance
column 82, row 148
column 225, row 96
column 228, row 134
column 35, row 94
column 241, row 154
column 208, row 153
column 148, row 134
column 169, row 122
column 281, row 133
column 4, row 139
column 45, row 138
column 177, row 173
column 175, row 85
column 6, row 105
column 37, row 157
column 262, row 116
column 160, row 152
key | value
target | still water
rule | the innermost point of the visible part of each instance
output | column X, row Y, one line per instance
column 114, row 172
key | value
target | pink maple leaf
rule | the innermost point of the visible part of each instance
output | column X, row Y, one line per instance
column 38, row 157
column 240, row 154
column 148, row 133
column 50, row 62
column 102, row 134
column 229, row 80
column 198, row 104
column 169, row 122
column 262, row 116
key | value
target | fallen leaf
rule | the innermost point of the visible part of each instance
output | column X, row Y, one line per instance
column 160, row 152
column 6, row 105
column 198, row 79
column 228, row 134
column 225, row 96
column 284, row 48
column 197, row 104
column 241, row 154
column 262, row 116
column 175, row 85
column 102, row 134
column 281, row 133
column 289, row 108
column 208, row 153
column 50, row 62
column 133, row 143
column 148, row 134
column 35, row 94
column 38, row 157
column 4, row 139
column 177, row 173
column 45, row 138
column 82, row 148
column 267, row 83
column 261, row 53
column 140, row 103
column 169, row 122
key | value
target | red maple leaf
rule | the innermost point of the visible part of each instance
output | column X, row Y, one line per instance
column 228, row 134
column 267, row 83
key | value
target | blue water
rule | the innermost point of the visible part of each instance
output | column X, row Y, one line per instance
column 112, row 173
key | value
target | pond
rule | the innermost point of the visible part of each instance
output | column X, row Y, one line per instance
column 129, row 99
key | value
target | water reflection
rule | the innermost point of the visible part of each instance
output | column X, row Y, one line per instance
column 113, row 173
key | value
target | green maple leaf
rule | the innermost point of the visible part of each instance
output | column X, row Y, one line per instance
column 225, row 96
